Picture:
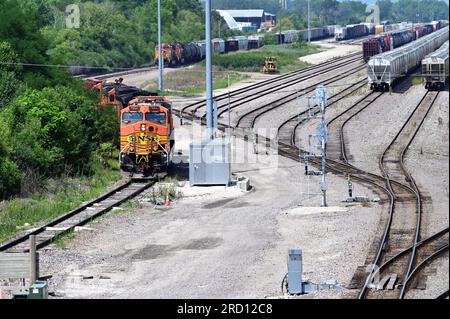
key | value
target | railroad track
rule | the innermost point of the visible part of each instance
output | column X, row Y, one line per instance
column 47, row 233
column 116, row 74
column 399, row 188
column 402, row 228
column 248, row 119
column 264, row 88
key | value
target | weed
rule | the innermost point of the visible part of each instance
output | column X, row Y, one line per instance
column 366, row 203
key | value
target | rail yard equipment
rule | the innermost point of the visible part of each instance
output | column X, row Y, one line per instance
column 270, row 66
column 146, row 136
column 435, row 68
column 384, row 69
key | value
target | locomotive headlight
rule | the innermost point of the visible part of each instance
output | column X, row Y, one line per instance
column 131, row 149
column 143, row 127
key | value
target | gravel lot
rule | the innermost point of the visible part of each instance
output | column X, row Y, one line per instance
column 219, row 243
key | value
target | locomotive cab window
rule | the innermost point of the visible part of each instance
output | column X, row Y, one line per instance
column 132, row 117
column 158, row 118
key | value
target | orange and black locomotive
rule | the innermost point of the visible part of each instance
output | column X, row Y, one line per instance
column 146, row 136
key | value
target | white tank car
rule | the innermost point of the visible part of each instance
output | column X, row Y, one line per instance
column 384, row 69
column 435, row 68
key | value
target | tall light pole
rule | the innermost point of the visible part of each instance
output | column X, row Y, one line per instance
column 209, row 82
column 160, row 55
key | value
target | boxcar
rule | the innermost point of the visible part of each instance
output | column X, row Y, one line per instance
column 231, row 45
column 435, row 68
column 384, row 69
column 218, row 45
column 243, row 42
column 255, row 42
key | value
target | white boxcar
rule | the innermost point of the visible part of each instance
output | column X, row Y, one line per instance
column 255, row 41
column 218, row 45
column 435, row 68
column 340, row 33
column 384, row 69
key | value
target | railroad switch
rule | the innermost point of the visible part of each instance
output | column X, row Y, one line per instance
column 296, row 284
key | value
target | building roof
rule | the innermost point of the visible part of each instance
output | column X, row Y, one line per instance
column 258, row 13
column 232, row 24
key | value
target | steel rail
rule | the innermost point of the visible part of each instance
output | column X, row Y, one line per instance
column 23, row 238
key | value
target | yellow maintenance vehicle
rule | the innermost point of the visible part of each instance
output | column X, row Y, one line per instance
column 270, row 66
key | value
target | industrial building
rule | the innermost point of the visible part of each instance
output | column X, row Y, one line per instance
column 248, row 20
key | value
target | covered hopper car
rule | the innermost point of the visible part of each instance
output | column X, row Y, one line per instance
column 435, row 68
column 384, row 69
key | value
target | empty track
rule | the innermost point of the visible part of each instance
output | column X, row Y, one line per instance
column 61, row 225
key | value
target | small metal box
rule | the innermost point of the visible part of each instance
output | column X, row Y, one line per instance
column 39, row 290
column 209, row 163
column 295, row 280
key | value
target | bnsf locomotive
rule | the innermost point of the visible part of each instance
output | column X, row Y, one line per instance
column 146, row 136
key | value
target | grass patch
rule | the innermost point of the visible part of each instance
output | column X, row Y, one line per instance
column 252, row 61
column 61, row 196
column 416, row 81
column 191, row 81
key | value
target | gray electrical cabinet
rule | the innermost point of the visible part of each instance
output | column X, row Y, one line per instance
column 295, row 285
column 209, row 162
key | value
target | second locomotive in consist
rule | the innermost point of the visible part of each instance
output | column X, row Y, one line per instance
column 435, row 68
column 146, row 136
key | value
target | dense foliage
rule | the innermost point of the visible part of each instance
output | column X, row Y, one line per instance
column 49, row 125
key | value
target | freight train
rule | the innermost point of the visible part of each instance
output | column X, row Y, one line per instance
column 354, row 31
column 395, row 39
column 384, row 69
column 179, row 54
column 146, row 127
column 435, row 68
column 115, row 93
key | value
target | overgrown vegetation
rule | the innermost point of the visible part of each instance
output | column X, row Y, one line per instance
column 61, row 195
column 191, row 81
column 287, row 57
column 168, row 187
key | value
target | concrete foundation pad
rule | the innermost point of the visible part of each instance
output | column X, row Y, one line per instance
column 316, row 210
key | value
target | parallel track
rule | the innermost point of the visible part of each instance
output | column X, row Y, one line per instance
column 398, row 190
column 260, row 89
column 397, row 234
column 248, row 119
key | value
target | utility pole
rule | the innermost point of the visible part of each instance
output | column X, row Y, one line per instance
column 322, row 134
column 309, row 24
column 160, row 55
column 209, row 84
